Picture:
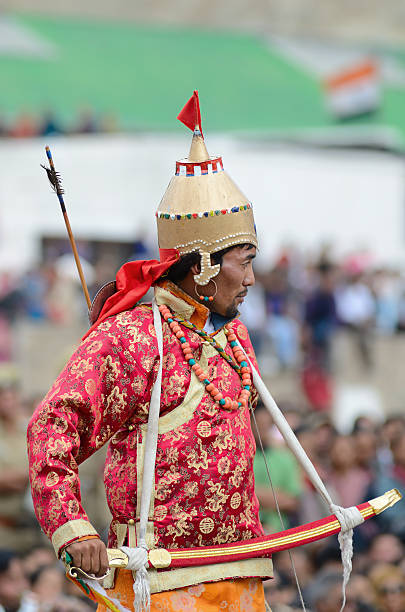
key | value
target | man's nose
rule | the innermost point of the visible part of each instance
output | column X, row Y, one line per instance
column 249, row 279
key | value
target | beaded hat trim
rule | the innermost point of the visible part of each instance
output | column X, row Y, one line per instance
column 210, row 213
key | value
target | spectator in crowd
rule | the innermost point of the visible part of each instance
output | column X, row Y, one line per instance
column 39, row 556
column 392, row 477
column 46, row 589
column 386, row 548
column 386, row 285
column 323, row 437
column 253, row 314
column 355, row 306
column 393, row 427
column 365, row 442
column 282, row 325
column 17, row 528
column 346, row 477
column 284, row 473
column 325, row 594
column 37, row 587
column 320, row 317
column 317, row 332
column 13, row 582
column 389, row 585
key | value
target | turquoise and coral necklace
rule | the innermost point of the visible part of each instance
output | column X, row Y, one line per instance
column 242, row 368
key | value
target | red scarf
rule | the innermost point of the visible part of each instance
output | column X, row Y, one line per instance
column 133, row 281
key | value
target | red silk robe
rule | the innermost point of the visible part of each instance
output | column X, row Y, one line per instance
column 204, row 483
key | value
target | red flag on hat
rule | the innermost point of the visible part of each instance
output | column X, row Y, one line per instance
column 190, row 113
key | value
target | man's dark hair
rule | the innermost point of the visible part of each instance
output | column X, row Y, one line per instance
column 180, row 269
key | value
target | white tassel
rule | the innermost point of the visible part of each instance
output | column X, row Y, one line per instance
column 141, row 591
column 348, row 518
column 137, row 561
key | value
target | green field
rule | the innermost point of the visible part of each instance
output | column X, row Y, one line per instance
column 144, row 74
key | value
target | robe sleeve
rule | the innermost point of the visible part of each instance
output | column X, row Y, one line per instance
column 89, row 402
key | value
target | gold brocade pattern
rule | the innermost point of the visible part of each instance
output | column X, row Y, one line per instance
column 204, row 486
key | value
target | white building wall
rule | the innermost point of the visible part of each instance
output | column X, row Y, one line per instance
column 113, row 184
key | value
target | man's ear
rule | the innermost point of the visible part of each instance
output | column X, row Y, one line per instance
column 195, row 269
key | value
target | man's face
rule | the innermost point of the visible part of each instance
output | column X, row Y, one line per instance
column 234, row 279
column 12, row 585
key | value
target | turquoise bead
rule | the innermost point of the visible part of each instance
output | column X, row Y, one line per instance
column 183, row 340
column 192, row 362
column 170, row 320
column 243, row 364
column 206, row 381
column 239, row 404
column 247, row 387
column 222, row 402
column 206, row 298
column 234, row 343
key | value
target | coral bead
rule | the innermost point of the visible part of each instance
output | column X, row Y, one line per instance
column 238, row 354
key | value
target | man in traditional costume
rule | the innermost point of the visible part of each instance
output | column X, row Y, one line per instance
column 203, row 476
column 169, row 385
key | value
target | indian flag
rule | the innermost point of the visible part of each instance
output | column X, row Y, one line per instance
column 354, row 91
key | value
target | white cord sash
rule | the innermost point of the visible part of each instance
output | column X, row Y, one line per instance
column 347, row 517
column 138, row 557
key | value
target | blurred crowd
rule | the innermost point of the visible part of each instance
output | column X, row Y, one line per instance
column 355, row 468
column 300, row 304
column 29, row 125
column 293, row 314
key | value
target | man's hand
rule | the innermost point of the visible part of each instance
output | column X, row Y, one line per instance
column 90, row 556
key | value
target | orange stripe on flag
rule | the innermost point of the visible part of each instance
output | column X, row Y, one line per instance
column 362, row 71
